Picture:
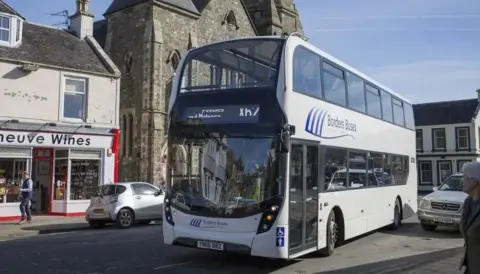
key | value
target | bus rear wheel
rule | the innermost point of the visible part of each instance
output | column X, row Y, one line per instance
column 397, row 216
column 332, row 236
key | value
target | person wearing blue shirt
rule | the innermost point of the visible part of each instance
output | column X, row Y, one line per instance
column 470, row 222
column 26, row 194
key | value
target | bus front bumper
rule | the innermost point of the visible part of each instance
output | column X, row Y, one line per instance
column 250, row 243
column 225, row 246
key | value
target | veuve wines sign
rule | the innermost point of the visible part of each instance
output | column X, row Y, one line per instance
column 44, row 139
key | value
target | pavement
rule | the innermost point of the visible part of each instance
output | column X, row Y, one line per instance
column 67, row 245
column 41, row 225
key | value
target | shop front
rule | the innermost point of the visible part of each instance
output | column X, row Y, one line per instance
column 66, row 168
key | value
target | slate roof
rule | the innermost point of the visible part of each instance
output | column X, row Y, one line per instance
column 118, row 5
column 9, row 10
column 443, row 113
column 100, row 29
column 51, row 46
column 200, row 4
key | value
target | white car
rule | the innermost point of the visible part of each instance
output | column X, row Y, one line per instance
column 125, row 204
column 444, row 206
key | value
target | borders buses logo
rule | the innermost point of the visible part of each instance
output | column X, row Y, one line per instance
column 207, row 224
column 319, row 120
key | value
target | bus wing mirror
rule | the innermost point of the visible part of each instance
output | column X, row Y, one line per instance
column 284, row 143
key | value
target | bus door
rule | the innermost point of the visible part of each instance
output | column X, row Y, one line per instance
column 303, row 201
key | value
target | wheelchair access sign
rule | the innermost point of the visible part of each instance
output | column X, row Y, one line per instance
column 280, row 239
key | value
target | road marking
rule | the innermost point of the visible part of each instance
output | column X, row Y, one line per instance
column 171, row 265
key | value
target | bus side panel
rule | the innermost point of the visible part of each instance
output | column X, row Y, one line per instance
column 364, row 209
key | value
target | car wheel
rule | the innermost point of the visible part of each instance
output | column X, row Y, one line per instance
column 332, row 236
column 125, row 218
column 96, row 224
column 397, row 216
column 428, row 227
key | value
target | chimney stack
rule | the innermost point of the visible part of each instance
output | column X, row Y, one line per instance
column 82, row 21
column 478, row 95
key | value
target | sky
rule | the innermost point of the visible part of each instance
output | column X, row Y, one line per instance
column 425, row 50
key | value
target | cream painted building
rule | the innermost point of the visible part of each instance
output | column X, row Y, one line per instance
column 447, row 135
column 59, row 113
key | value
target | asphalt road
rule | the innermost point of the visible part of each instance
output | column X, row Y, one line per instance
column 141, row 250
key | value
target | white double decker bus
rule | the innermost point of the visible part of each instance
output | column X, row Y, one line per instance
column 278, row 149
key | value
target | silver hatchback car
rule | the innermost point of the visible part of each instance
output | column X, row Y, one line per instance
column 125, row 204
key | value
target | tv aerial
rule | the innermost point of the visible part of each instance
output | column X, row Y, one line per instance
column 64, row 14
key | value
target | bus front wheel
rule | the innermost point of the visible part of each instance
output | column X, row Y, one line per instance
column 332, row 236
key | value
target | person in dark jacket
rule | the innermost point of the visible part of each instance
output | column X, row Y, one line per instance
column 470, row 222
column 26, row 194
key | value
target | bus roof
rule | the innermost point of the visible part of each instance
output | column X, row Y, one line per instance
column 320, row 52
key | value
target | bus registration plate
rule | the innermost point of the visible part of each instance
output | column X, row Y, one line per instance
column 210, row 245
column 443, row 220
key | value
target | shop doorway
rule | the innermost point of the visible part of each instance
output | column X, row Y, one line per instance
column 42, row 177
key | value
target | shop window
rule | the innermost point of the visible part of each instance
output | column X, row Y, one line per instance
column 11, row 179
column 84, row 178
column 61, row 154
column 60, row 182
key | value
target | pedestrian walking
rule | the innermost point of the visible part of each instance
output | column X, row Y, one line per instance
column 26, row 194
column 470, row 223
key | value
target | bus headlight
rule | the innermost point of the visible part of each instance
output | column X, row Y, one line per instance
column 268, row 218
column 425, row 204
column 167, row 209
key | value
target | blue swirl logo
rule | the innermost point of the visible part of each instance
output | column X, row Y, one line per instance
column 316, row 122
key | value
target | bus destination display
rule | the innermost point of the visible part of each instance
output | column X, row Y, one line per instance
column 222, row 114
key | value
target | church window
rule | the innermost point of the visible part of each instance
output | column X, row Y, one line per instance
column 230, row 19
column 174, row 59
column 128, row 62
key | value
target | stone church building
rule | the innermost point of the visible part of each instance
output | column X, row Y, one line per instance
column 146, row 39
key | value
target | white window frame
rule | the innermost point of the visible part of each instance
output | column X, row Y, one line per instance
column 435, row 143
column 15, row 27
column 9, row 29
column 62, row 98
column 458, row 136
column 18, row 31
column 420, row 131
column 450, row 170
column 422, row 182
